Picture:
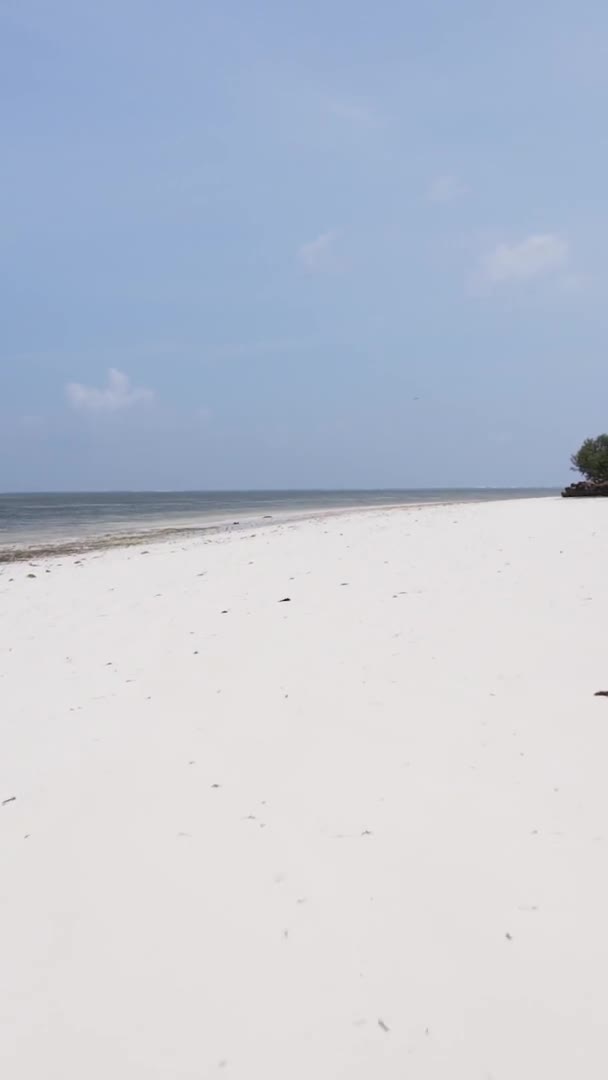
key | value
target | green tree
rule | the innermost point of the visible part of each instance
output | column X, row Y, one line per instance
column 592, row 458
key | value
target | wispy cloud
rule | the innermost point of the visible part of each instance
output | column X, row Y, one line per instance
column 318, row 256
column 119, row 393
column 538, row 255
column 446, row 189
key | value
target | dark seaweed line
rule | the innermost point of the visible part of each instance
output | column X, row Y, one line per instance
column 103, row 543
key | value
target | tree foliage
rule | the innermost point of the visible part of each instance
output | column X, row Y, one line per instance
column 592, row 458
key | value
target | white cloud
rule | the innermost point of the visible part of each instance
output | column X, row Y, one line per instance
column 318, row 255
column 118, row 394
column 445, row 189
column 536, row 256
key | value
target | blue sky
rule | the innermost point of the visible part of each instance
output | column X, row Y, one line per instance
column 289, row 245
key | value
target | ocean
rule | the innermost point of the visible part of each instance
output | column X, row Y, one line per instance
column 64, row 523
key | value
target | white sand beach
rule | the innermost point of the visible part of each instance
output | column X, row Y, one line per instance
column 361, row 834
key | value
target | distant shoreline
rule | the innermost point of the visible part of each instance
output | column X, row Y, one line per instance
column 24, row 551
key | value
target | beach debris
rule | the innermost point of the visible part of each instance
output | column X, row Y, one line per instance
column 367, row 832
column 5, row 802
column 31, row 575
column 601, row 693
column 382, row 1025
column 508, row 937
column 225, row 611
column 144, row 553
column 285, row 600
column 216, row 785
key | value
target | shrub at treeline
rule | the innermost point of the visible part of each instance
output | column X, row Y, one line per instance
column 592, row 459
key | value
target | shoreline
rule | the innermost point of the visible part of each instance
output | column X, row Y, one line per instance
column 21, row 552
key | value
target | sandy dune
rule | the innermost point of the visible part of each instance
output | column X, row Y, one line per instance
column 358, row 835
